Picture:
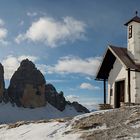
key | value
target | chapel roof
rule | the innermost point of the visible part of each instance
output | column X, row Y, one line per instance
column 113, row 53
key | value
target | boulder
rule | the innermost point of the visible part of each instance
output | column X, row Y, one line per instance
column 27, row 86
column 2, row 84
column 54, row 98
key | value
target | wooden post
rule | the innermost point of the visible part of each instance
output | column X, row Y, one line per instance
column 129, row 87
column 104, row 91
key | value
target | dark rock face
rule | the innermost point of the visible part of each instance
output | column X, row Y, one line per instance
column 27, row 86
column 2, row 84
column 79, row 107
column 54, row 98
column 58, row 100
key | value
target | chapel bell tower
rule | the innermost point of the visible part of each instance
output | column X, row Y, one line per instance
column 133, row 38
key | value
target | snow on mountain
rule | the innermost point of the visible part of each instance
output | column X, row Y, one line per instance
column 10, row 114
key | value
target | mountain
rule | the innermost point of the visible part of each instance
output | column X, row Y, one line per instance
column 113, row 124
column 30, row 95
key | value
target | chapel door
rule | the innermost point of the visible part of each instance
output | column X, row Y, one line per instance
column 120, row 92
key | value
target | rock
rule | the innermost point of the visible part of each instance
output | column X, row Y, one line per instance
column 54, row 98
column 2, row 84
column 79, row 107
column 27, row 86
column 58, row 100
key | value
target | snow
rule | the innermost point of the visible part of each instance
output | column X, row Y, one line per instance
column 10, row 114
column 40, row 131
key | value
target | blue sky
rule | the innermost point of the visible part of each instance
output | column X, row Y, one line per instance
column 66, row 39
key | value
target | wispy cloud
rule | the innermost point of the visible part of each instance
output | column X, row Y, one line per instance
column 3, row 33
column 73, row 64
column 21, row 23
column 31, row 14
column 11, row 63
column 55, row 81
column 2, row 23
column 89, row 86
column 53, row 32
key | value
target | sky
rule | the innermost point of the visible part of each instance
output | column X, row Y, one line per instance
column 66, row 39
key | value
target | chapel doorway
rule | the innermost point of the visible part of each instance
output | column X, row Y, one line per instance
column 119, row 93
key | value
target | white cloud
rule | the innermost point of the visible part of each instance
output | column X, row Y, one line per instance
column 88, row 86
column 72, row 64
column 11, row 63
column 42, row 68
column 72, row 98
column 52, row 32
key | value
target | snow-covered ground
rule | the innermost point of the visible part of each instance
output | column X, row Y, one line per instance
column 10, row 114
column 115, row 124
column 39, row 131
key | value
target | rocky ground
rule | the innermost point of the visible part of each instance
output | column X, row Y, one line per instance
column 114, row 124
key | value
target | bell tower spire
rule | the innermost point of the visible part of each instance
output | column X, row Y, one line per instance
column 133, row 37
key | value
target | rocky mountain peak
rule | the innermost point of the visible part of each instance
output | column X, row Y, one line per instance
column 27, row 86
column 27, row 64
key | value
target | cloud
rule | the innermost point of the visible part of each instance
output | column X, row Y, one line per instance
column 91, row 105
column 21, row 23
column 3, row 33
column 52, row 32
column 73, row 64
column 88, row 86
column 31, row 14
column 42, row 68
column 32, row 58
column 2, row 22
column 55, row 81
column 11, row 63
column 72, row 98
column 91, row 102
column 88, row 78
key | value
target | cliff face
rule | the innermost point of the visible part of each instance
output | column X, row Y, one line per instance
column 27, row 86
column 2, row 84
column 54, row 98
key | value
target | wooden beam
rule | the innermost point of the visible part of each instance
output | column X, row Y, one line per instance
column 129, row 87
column 104, row 91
